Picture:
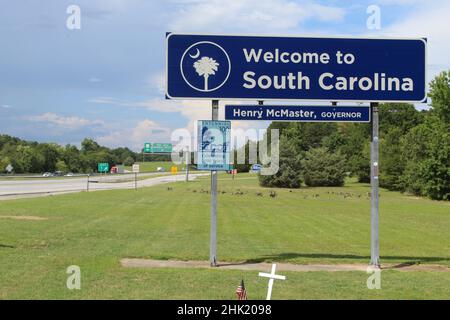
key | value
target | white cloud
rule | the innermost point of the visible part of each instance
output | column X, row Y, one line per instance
column 192, row 110
column 158, row 81
column 6, row 106
column 144, row 131
column 195, row 110
column 250, row 15
column 65, row 122
column 428, row 21
column 104, row 100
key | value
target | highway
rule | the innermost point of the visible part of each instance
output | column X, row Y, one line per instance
column 13, row 189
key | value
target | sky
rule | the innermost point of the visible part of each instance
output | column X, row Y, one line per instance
column 106, row 80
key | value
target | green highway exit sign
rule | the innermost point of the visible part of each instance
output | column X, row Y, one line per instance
column 147, row 147
column 157, row 147
column 103, row 167
column 162, row 147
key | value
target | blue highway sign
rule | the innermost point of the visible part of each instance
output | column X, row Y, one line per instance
column 295, row 68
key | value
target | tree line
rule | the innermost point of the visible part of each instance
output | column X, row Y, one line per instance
column 34, row 157
column 414, row 149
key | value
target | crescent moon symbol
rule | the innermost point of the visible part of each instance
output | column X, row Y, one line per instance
column 195, row 56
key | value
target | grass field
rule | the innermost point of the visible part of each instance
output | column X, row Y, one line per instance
column 321, row 225
column 152, row 166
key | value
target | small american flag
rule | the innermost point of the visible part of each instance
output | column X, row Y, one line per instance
column 240, row 291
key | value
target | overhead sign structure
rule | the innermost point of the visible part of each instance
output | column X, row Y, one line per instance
column 295, row 68
column 214, row 139
column 103, row 167
column 298, row 113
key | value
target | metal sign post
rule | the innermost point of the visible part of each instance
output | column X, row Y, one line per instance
column 213, row 239
column 188, row 161
column 374, row 170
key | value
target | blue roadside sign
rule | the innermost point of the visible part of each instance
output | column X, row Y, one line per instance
column 256, row 167
column 214, row 139
column 295, row 68
column 298, row 113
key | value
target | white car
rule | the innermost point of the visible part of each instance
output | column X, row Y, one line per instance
column 160, row 169
column 70, row 174
column 46, row 174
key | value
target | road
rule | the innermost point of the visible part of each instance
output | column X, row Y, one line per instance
column 14, row 189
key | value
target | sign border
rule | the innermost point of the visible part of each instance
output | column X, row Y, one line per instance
column 169, row 97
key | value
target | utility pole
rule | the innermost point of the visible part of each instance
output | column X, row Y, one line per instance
column 213, row 239
column 374, row 183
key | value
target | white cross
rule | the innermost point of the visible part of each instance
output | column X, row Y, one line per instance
column 272, row 276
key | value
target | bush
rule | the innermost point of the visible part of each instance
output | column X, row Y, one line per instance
column 129, row 161
column 289, row 172
column 322, row 168
column 426, row 150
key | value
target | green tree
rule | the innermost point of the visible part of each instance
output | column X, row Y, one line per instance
column 245, row 150
column 392, row 165
column 426, row 151
column 401, row 116
column 323, row 168
column 51, row 152
column 128, row 161
column 89, row 145
column 62, row 166
column 289, row 172
column 440, row 96
column 4, row 162
column 72, row 157
column 24, row 158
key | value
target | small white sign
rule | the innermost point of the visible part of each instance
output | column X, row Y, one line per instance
column 136, row 168
column 9, row 168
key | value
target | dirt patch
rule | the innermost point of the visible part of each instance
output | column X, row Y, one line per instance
column 32, row 218
column 263, row 266
column 418, row 267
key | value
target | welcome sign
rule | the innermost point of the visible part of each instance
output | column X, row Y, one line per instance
column 295, row 68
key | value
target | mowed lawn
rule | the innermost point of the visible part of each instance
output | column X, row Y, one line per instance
column 154, row 165
column 310, row 225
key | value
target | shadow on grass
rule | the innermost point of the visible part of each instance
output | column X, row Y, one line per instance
column 285, row 257
column 6, row 246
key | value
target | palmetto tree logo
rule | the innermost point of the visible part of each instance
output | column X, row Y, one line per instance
column 206, row 67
